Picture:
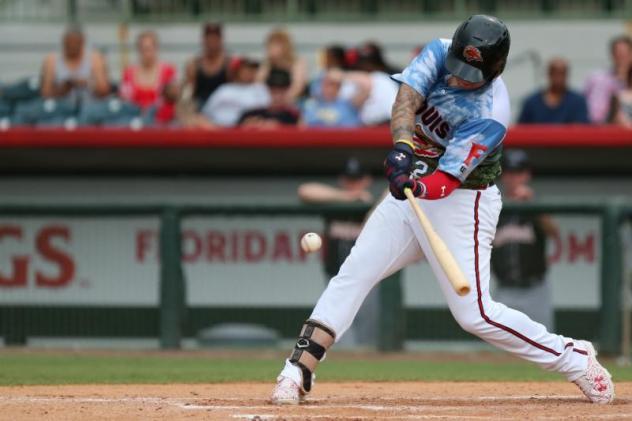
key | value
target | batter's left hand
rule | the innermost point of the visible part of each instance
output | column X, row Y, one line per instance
column 398, row 161
column 399, row 183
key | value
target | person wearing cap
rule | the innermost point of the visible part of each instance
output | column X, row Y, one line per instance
column 281, row 111
column 340, row 235
column 209, row 70
column 231, row 100
column 519, row 260
column 353, row 186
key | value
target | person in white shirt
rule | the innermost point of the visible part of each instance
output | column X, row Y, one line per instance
column 383, row 90
column 226, row 105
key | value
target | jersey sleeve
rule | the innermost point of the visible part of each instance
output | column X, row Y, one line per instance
column 471, row 144
column 422, row 73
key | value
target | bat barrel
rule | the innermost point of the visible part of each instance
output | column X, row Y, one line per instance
column 449, row 265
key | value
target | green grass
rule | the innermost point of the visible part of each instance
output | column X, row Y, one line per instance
column 22, row 368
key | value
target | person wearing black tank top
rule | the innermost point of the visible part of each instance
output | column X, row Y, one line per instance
column 208, row 71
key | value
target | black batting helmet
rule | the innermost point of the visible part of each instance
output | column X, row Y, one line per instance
column 479, row 49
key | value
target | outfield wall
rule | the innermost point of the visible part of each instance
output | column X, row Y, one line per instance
column 98, row 275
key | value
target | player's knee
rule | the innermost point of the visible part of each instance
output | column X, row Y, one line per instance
column 470, row 322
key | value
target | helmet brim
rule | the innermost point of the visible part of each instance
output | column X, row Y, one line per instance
column 463, row 70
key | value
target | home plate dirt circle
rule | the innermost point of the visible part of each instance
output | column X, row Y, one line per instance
column 330, row 401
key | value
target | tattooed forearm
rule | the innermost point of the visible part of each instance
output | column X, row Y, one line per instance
column 408, row 101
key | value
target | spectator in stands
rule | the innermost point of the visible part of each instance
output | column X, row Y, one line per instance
column 519, row 261
column 556, row 104
column 603, row 85
column 371, row 52
column 151, row 84
column 280, row 111
column 280, row 55
column 333, row 57
column 231, row 100
column 621, row 110
column 329, row 109
column 376, row 110
column 369, row 75
column 77, row 72
column 208, row 71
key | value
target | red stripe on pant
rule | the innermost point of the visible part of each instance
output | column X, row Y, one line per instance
column 480, row 295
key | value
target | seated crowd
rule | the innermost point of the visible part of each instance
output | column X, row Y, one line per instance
column 218, row 89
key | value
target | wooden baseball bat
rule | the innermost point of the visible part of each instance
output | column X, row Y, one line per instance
column 452, row 270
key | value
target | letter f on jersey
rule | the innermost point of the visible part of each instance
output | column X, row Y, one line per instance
column 475, row 152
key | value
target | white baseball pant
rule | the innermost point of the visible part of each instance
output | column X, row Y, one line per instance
column 466, row 221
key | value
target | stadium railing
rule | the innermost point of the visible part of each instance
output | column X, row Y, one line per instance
column 295, row 10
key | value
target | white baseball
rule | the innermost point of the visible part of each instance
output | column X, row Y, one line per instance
column 311, row 242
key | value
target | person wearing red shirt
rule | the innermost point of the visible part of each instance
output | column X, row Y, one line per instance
column 151, row 82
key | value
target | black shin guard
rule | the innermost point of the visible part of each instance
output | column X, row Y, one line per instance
column 310, row 348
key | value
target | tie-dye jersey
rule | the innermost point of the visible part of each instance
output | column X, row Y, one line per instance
column 457, row 131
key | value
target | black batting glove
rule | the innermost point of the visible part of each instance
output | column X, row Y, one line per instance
column 399, row 183
column 399, row 160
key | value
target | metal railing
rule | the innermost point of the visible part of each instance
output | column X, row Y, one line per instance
column 304, row 10
column 173, row 284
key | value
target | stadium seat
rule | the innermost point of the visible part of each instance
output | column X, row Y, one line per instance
column 5, row 108
column 109, row 112
column 22, row 90
column 44, row 112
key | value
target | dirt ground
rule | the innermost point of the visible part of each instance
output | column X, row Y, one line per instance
column 330, row 401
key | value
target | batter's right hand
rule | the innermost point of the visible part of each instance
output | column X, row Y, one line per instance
column 399, row 161
column 399, row 183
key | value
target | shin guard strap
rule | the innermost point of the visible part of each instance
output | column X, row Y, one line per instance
column 310, row 348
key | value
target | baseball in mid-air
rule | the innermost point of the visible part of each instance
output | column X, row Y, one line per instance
column 311, row 242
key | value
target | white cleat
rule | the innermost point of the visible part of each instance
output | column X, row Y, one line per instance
column 287, row 392
column 596, row 382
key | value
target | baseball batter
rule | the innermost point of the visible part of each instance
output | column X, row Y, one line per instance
column 451, row 113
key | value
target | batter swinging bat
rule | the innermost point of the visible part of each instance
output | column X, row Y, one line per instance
column 452, row 270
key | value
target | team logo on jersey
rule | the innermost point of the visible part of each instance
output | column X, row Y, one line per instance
column 472, row 53
column 424, row 146
column 434, row 122
column 476, row 151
